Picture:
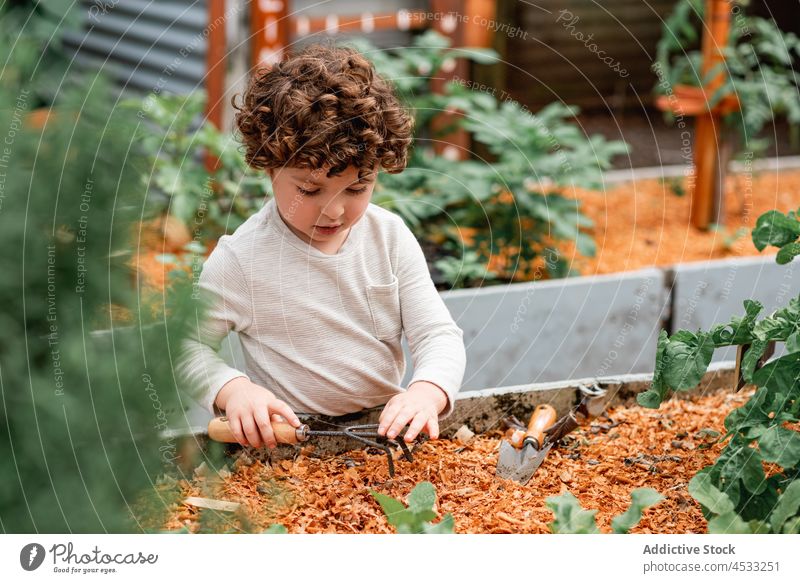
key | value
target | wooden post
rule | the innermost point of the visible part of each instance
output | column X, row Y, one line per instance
column 708, row 195
column 269, row 27
column 463, row 29
column 215, row 71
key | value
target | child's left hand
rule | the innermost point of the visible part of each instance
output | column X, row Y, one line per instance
column 419, row 405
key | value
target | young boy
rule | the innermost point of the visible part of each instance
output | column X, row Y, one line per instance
column 321, row 284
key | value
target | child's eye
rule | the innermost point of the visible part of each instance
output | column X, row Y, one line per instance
column 305, row 192
column 355, row 191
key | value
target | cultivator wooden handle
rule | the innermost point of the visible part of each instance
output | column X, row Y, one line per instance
column 219, row 430
column 543, row 417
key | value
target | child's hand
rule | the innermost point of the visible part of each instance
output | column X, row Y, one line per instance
column 420, row 405
column 250, row 408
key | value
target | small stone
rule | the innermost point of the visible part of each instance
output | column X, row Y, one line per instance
column 464, row 435
column 565, row 477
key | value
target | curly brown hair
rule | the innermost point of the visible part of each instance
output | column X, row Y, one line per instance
column 324, row 106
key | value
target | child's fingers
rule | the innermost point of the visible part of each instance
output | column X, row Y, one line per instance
column 433, row 427
column 286, row 411
column 235, row 424
column 400, row 421
column 420, row 420
column 251, row 431
column 265, row 428
column 387, row 416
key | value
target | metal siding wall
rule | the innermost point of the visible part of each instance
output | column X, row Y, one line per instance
column 139, row 43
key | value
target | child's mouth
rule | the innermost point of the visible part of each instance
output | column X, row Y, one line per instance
column 327, row 230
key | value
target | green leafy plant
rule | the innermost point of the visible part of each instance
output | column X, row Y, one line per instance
column 83, row 424
column 33, row 30
column 571, row 518
column 174, row 139
column 758, row 67
column 416, row 518
column 466, row 270
column 513, row 203
column 735, row 489
column 781, row 518
column 774, row 229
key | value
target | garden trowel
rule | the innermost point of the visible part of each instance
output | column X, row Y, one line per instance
column 519, row 463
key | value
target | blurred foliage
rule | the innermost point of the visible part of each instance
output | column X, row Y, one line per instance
column 760, row 68
column 212, row 198
column 84, row 400
column 32, row 29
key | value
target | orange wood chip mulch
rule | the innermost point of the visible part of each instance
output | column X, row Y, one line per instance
column 645, row 224
column 600, row 464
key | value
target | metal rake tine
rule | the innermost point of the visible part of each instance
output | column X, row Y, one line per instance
column 350, row 431
column 406, row 451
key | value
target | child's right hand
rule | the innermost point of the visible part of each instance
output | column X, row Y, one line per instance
column 250, row 409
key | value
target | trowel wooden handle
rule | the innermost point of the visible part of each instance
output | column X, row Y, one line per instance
column 543, row 417
column 219, row 430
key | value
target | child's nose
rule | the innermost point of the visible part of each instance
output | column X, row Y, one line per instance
column 333, row 210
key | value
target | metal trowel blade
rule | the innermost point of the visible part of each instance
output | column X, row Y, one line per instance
column 520, row 464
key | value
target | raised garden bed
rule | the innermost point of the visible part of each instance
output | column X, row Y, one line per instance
column 313, row 490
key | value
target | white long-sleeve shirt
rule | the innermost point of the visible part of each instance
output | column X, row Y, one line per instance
column 323, row 331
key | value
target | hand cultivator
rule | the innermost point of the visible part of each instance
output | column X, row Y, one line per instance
column 219, row 430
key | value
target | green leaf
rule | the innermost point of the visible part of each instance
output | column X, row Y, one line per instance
column 751, row 357
column 275, row 529
column 414, row 519
column 702, row 490
column 570, row 518
column 445, row 526
column 751, row 471
column 775, row 229
column 641, row 499
column 787, row 253
column 650, row 399
column 787, row 507
column 780, row 446
column 728, row 523
column 687, row 357
column 393, row 509
column 657, row 393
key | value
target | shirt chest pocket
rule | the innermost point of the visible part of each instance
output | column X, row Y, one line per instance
column 384, row 307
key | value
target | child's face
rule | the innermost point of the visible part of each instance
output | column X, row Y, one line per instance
column 309, row 201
